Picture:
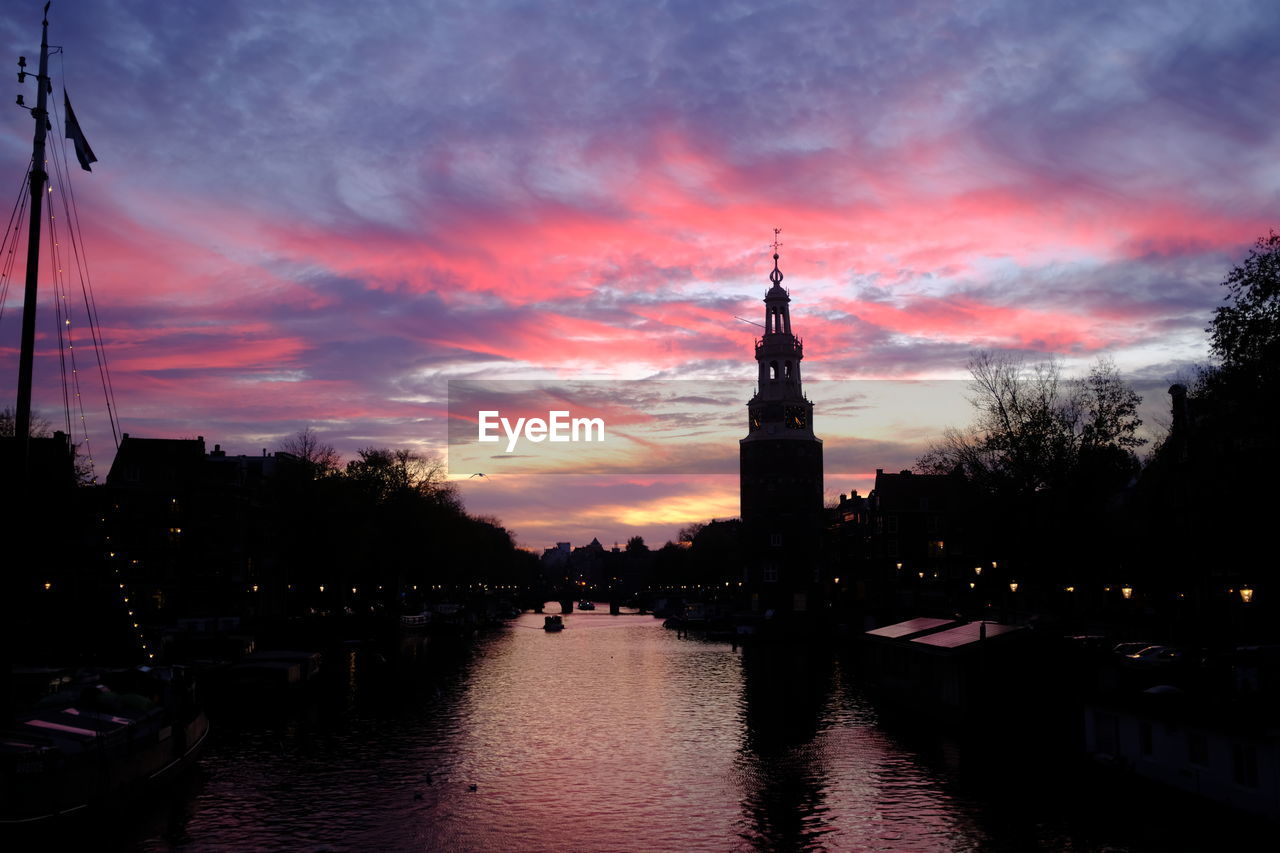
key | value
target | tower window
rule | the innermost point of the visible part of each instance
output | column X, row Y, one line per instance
column 773, row 370
column 775, row 539
column 786, row 369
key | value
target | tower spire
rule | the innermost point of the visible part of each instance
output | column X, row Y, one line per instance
column 776, row 275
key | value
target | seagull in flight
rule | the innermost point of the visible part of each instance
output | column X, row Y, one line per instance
column 477, row 474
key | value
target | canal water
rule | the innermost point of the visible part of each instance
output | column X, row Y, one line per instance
column 618, row 735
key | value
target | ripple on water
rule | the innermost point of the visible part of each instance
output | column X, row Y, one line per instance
column 612, row 735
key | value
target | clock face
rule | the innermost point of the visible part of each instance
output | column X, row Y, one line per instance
column 796, row 417
column 755, row 420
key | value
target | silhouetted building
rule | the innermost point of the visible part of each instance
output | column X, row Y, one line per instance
column 780, row 470
column 846, row 553
column 922, row 541
column 587, row 564
column 193, row 533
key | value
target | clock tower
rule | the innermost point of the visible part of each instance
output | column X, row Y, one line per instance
column 780, row 468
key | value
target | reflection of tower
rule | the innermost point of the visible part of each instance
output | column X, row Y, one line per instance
column 787, row 700
column 780, row 468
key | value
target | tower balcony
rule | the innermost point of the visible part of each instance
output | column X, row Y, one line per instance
column 780, row 343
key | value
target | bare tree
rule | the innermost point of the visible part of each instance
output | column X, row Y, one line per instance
column 1034, row 430
column 386, row 472
column 690, row 531
column 40, row 427
column 319, row 456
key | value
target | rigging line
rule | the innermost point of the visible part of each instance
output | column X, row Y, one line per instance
column 62, row 283
column 62, row 291
column 66, row 341
column 63, row 287
column 11, row 240
column 11, row 230
column 68, row 192
column 58, row 312
column 68, row 196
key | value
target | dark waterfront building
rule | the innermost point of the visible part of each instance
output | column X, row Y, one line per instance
column 193, row 532
column 923, row 544
column 781, row 470
column 918, row 543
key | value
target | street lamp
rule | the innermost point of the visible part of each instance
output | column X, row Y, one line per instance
column 1127, row 592
column 1013, row 586
column 1246, row 595
column 977, row 571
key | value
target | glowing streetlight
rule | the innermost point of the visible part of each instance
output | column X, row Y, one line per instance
column 1127, row 592
column 1013, row 586
column 1246, row 595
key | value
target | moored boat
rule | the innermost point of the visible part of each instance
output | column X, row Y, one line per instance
column 100, row 743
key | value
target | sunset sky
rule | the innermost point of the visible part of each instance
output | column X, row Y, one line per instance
column 319, row 213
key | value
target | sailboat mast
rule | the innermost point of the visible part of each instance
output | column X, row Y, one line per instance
column 22, row 424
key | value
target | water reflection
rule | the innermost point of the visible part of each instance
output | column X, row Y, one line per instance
column 782, row 768
column 617, row 735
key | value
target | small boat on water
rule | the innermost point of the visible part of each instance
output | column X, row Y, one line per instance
column 586, row 605
column 415, row 623
column 275, row 670
column 553, row 623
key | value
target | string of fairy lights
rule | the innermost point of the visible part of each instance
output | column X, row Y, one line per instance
column 127, row 599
